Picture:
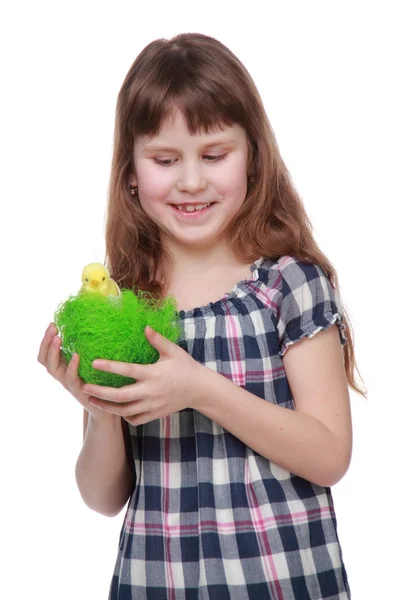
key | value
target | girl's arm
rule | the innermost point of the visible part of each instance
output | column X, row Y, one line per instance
column 103, row 475
column 102, row 472
column 315, row 440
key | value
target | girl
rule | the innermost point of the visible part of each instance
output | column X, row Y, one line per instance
column 226, row 448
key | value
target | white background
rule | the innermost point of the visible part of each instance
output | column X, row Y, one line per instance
column 328, row 75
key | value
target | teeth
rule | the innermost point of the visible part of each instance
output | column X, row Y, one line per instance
column 191, row 208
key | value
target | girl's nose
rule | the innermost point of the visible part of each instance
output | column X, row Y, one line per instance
column 191, row 179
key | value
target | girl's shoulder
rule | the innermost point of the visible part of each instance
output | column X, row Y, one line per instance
column 301, row 296
column 287, row 268
column 289, row 275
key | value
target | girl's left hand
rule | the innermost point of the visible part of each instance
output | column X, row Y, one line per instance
column 167, row 386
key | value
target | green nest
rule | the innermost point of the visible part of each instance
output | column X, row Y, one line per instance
column 96, row 326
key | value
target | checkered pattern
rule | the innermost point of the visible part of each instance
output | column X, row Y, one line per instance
column 209, row 518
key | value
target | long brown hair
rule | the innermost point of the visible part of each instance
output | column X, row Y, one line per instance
column 202, row 78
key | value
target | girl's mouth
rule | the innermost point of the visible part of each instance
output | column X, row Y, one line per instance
column 192, row 213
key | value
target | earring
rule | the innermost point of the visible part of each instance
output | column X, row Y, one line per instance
column 134, row 190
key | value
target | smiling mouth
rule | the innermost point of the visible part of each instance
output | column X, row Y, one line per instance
column 192, row 208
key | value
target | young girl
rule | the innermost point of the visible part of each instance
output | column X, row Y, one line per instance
column 226, row 448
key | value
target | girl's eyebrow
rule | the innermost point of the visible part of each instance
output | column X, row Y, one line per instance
column 158, row 147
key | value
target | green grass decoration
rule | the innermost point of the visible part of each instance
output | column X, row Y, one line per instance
column 97, row 326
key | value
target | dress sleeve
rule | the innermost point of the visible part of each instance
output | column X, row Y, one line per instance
column 307, row 303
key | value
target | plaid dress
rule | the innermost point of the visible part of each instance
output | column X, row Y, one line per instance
column 210, row 518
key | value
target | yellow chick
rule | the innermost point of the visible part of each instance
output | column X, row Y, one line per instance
column 96, row 278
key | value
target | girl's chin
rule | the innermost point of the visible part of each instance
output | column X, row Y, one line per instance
column 199, row 241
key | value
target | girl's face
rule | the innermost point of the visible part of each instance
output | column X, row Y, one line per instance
column 175, row 169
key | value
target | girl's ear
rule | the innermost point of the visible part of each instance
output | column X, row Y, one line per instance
column 133, row 179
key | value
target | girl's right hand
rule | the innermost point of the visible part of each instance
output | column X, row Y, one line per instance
column 51, row 358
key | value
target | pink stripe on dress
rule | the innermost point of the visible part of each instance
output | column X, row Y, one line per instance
column 238, row 375
column 209, row 526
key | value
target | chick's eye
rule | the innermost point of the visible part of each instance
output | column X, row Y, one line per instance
column 104, row 278
column 86, row 279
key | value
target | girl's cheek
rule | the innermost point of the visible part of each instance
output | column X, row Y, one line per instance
column 156, row 181
column 157, row 192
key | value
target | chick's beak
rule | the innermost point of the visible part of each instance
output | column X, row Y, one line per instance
column 95, row 283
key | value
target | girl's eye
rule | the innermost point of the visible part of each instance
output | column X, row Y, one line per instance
column 168, row 162
column 215, row 157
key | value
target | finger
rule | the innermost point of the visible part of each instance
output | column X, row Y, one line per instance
column 53, row 359
column 163, row 345
column 46, row 341
column 110, row 407
column 140, row 419
column 72, row 380
column 122, row 394
column 132, row 370
column 121, row 409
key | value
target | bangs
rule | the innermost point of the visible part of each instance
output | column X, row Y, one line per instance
column 205, row 102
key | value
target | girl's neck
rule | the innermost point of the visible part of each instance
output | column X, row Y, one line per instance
column 203, row 261
column 195, row 281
